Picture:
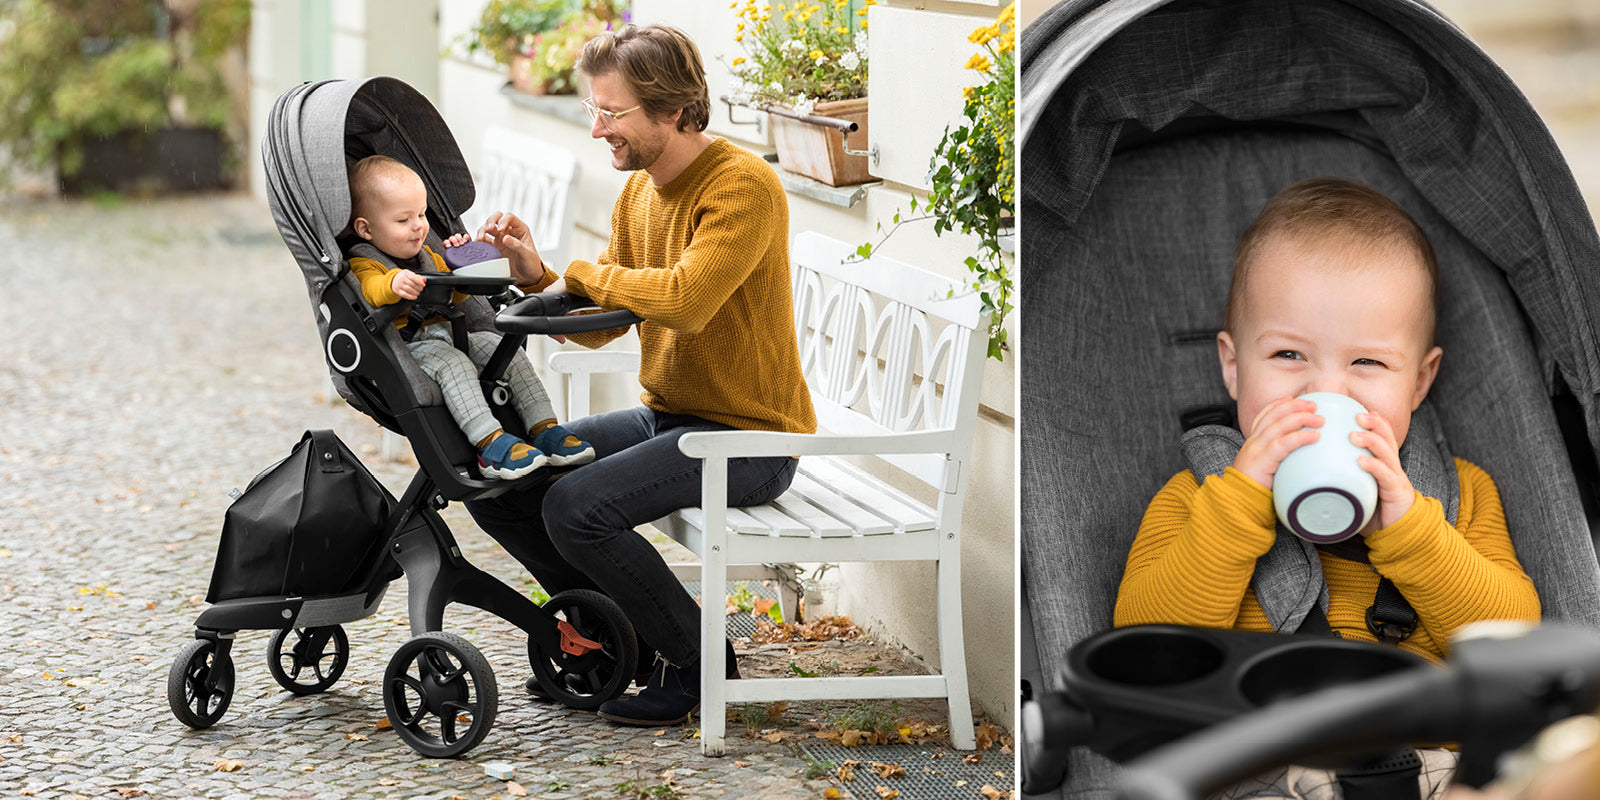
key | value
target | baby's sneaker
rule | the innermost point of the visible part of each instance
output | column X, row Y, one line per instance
column 563, row 448
column 507, row 457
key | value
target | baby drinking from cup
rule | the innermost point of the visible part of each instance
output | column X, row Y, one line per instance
column 1333, row 291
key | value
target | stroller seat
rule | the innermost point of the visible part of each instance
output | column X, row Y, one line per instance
column 1153, row 132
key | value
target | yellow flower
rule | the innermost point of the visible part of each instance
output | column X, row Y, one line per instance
column 1007, row 15
column 734, row 4
column 863, row 24
column 1007, row 42
column 765, row 17
column 739, row 38
column 841, row 30
column 788, row 16
column 978, row 62
column 861, row 12
column 738, row 61
column 815, row 54
column 739, row 27
column 967, row 92
column 766, row 8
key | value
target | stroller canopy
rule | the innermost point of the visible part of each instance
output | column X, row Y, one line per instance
column 317, row 131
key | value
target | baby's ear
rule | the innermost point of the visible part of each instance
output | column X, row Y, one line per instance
column 362, row 227
column 1425, row 375
column 1229, row 359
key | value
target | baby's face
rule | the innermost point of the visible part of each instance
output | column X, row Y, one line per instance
column 1318, row 320
column 397, row 215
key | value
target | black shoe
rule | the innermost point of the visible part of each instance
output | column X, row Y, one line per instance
column 574, row 684
column 668, row 698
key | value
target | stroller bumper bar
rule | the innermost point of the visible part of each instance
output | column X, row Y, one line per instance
column 547, row 313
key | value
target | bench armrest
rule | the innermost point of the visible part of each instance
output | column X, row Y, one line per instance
column 579, row 362
column 746, row 444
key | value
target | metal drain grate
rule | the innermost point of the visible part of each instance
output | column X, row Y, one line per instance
column 738, row 624
column 931, row 773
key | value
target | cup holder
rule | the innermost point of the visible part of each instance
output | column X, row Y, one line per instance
column 1154, row 657
column 1307, row 667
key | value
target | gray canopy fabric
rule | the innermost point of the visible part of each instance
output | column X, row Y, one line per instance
column 315, row 133
column 1153, row 131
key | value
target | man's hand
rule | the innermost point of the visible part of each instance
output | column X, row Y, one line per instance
column 407, row 284
column 512, row 238
column 1395, row 493
column 1277, row 432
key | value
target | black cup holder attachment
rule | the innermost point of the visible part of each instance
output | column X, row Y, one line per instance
column 1154, row 656
column 1300, row 668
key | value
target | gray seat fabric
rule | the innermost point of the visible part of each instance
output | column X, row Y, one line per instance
column 1129, row 305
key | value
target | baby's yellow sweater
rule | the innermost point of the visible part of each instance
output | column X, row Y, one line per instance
column 705, row 261
column 377, row 281
column 1197, row 547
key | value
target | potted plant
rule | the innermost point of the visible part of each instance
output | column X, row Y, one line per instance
column 807, row 60
column 973, row 173
column 119, row 95
column 548, row 61
column 505, row 26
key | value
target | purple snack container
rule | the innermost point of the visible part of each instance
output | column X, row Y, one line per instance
column 470, row 253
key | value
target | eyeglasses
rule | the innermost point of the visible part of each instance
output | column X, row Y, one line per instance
column 608, row 119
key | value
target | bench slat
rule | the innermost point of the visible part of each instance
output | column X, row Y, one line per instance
column 796, row 506
column 844, row 510
column 870, row 493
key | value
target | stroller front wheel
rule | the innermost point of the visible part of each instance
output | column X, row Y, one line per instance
column 440, row 694
column 200, row 684
column 308, row 666
column 587, row 680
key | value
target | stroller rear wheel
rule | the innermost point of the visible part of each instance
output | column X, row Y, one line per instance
column 200, row 684
column 308, row 666
column 586, row 681
column 440, row 694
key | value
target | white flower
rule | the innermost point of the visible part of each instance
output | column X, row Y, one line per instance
column 820, row 60
column 861, row 42
column 795, row 45
column 849, row 60
column 804, row 106
column 775, row 86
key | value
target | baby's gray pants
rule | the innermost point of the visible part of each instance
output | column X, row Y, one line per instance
column 457, row 375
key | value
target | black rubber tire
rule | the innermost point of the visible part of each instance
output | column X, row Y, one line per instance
column 588, row 680
column 200, row 684
column 309, row 652
column 432, row 683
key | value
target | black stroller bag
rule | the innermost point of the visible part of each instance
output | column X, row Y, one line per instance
column 307, row 525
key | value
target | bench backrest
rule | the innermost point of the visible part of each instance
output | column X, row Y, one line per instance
column 533, row 179
column 889, row 347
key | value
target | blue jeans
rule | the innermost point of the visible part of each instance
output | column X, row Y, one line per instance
column 577, row 532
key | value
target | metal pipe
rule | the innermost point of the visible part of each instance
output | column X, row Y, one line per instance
column 827, row 122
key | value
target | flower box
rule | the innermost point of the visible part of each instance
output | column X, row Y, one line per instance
column 816, row 150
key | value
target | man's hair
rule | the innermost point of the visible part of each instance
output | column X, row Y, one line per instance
column 364, row 177
column 661, row 66
column 1329, row 212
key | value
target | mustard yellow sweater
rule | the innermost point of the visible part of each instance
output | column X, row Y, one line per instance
column 705, row 261
column 1197, row 548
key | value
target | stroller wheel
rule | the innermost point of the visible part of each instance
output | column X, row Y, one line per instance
column 440, row 694
column 588, row 680
column 308, row 665
column 200, row 684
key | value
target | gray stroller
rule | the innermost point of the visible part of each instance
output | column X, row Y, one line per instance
column 1152, row 133
column 439, row 691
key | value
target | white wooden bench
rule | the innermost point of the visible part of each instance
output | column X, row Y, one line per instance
column 894, row 366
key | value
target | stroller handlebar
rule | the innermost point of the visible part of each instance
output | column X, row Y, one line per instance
column 548, row 313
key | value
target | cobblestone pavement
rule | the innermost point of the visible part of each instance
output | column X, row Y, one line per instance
column 161, row 353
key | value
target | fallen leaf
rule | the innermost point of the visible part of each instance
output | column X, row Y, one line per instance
column 515, row 789
column 660, row 732
column 127, row 792
column 357, row 737
column 383, row 724
column 832, row 793
column 150, row 606
column 227, row 765
column 889, row 770
column 991, row 793
column 886, row 793
column 972, row 759
column 988, row 734
column 774, row 737
column 387, row 782
column 763, row 605
column 847, row 771
column 851, row 738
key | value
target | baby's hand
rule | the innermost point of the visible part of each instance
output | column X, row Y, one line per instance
column 457, row 240
column 407, row 284
column 1276, row 432
column 1395, row 493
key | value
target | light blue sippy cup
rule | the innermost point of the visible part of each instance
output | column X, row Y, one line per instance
column 1320, row 493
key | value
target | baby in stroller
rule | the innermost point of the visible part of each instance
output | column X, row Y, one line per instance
column 1333, row 291
column 389, row 212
